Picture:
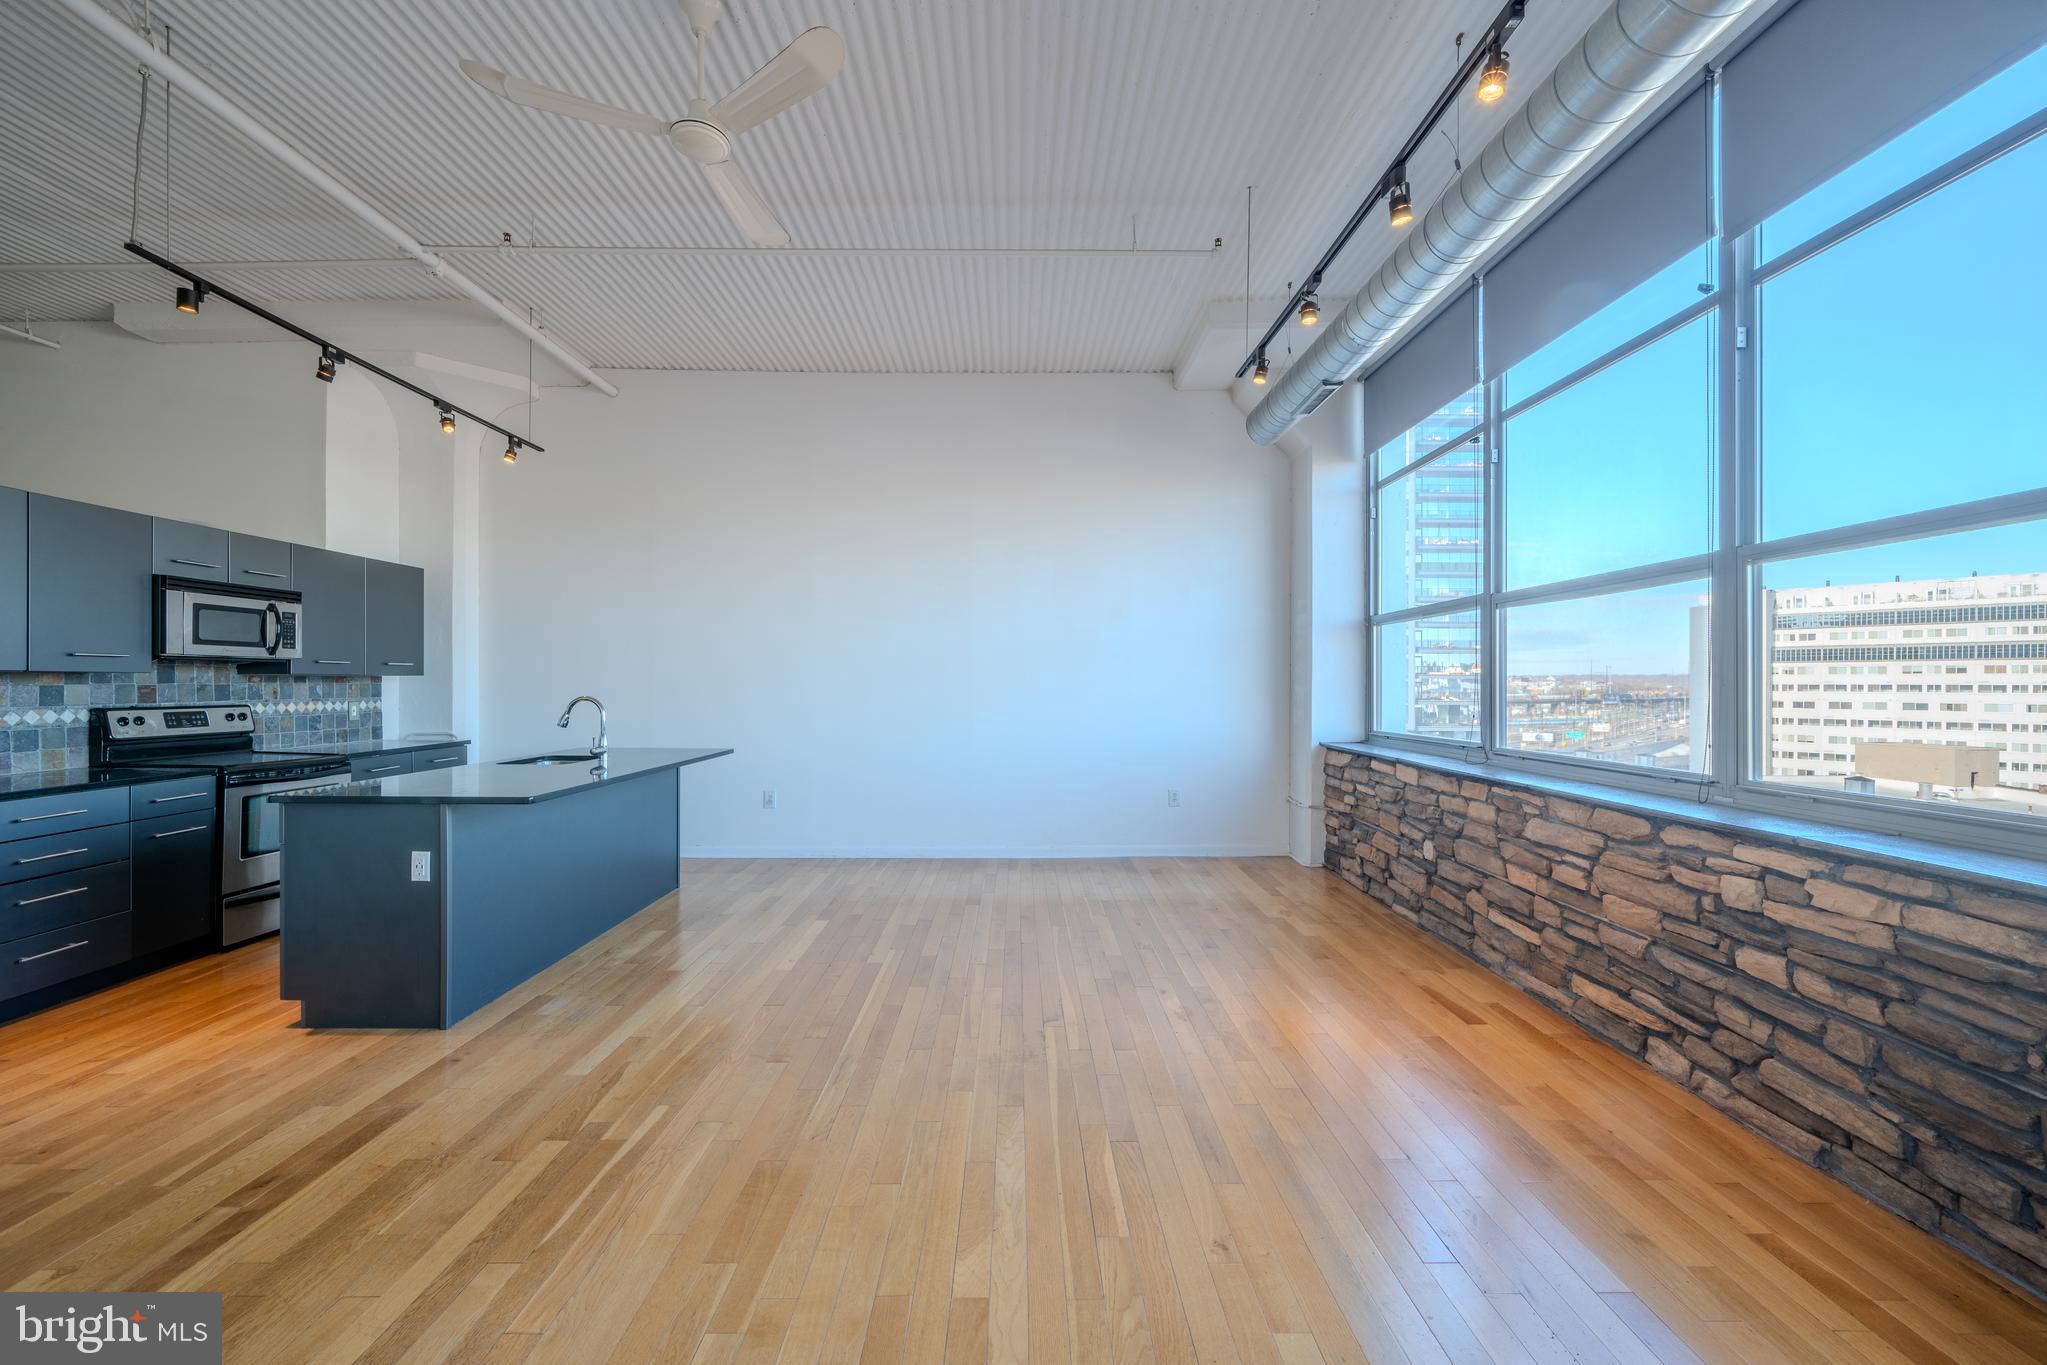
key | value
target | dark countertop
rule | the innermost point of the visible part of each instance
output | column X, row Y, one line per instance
column 360, row 747
column 52, row 781
column 500, row 784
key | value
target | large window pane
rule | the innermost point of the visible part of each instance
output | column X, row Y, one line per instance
column 1897, row 367
column 1915, row 670
column 1976, row 117
column 1433, row 432
column 1620, row 678
column 1617, row 471
column 1430, row 529
column 1663, row 295
column 1428, row 677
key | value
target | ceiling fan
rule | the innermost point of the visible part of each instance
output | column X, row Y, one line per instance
column 704, row 134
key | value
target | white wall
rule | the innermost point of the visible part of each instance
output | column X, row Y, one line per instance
column 942, row 615
column 229, row 435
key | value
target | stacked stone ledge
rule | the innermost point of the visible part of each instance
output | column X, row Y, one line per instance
column 1881, row 1022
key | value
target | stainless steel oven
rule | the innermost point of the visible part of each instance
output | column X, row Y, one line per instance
column 197, row 620
column 251, row 837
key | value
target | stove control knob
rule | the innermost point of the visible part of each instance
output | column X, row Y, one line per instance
column 123, row 720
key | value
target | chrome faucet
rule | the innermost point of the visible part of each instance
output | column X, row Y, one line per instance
column 600, row 745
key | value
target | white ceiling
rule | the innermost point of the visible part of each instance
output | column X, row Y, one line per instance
column 929, row 190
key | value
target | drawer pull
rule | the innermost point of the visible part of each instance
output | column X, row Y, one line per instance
column 189, row 829
column 55, row 896
column 333, row 661
column 195, row 563
column 266, row 573
column 400, row 663
column 387, row 768
column 456, row 759
column 53, row 815
column 188, row 796
column 93, row 654
column 34, row 957
column 45, row 857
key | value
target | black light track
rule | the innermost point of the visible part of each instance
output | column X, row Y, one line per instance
column 210, row 290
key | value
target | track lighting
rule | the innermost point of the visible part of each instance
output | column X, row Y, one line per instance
column 447, row 422
column 190, row 296
column 1310, row 314
column 511, row 455
column 1258, row 375
column 1399, row 199
column 324, row 371
column 1492, row 82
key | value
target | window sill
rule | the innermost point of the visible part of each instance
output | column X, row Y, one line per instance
column 2003, row 870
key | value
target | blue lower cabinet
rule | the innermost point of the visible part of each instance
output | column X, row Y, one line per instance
column 46, row 903
column 173, row 861
column 28, row 964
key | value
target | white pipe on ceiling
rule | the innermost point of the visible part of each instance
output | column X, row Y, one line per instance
column 27, row 335
column 97, row 19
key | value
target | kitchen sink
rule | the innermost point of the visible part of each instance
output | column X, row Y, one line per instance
column 547, row 759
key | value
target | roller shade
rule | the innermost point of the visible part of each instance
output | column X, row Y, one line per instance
column 1830, row 81
column 1433, row 366
column 1630, row 220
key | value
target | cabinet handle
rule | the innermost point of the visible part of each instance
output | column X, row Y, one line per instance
column 188, row 796
column 266, row 573
column 45, row 857
column 189, row 829
column 391, row 769
column 333, row 661
column 401, row 663
column 55, row 896
column 53, row 815
column 52, row 952
column 455, row 759
column 93, row 654
column 195, row 563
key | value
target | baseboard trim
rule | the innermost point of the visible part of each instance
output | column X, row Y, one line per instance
column 1013, row 852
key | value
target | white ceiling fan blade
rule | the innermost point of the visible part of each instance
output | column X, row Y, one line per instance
column 744, row 203
column 521, row 91
column 795, row 73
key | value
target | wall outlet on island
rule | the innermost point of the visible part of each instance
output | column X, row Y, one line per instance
column 422, row 866
column 768, row 799
column 1172, row 796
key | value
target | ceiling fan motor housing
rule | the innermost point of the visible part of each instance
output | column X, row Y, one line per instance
column 701, row 140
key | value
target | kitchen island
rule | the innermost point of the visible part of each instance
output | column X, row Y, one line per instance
column 414, row 901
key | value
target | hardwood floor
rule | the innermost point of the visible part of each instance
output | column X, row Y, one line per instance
column 832, row 1111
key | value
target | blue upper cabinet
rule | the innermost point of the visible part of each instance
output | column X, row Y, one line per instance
column 88, row 588
column 255, row 563
column 182, row 549
column 13, row 580
column 395, row 619
column 333, row 642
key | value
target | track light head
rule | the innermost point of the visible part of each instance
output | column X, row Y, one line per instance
column 511, row 455
column 190, row 296
column 1310, row 314
column 1492, row 81
column 1399, row 200
column 1258, row 375
column 447, row 422
column 329, row 359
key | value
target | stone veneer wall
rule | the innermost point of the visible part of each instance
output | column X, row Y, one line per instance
column 43, row 715
column 1884, row 1023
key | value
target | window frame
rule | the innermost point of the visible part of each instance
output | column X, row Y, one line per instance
column 1737, row 693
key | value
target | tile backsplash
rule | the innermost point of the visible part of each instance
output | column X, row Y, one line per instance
column 43, row 715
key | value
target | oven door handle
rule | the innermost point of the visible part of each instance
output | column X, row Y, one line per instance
column 272, row 642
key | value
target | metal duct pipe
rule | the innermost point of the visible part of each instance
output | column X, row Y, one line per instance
column 243, row 122
column 1629, row 53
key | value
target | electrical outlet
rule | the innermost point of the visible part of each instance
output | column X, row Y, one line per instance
column 768, row 799
column 422, row 865
column 1172, row 796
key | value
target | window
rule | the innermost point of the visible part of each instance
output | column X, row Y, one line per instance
column 1795, row 469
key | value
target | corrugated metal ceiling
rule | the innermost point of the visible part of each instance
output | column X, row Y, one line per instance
column 961, row 126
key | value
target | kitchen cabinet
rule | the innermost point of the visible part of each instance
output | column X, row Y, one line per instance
column 396, row 619
column 172, row 864
column 184, row 549
column 448, row 756
column 255, row 562
column 333, row 641
column 88, row 588
column 374, row 767
column 13, row 580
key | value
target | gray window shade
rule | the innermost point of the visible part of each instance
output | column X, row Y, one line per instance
column 1833, row 80
column 1433, row 366
column 1630, row 220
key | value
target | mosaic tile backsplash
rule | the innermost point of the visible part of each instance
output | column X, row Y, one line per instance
column 43, row 715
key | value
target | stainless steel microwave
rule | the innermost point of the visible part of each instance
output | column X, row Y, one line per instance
column 197, row 620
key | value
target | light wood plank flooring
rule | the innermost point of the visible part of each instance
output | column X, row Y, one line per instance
column 1064, row 1111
